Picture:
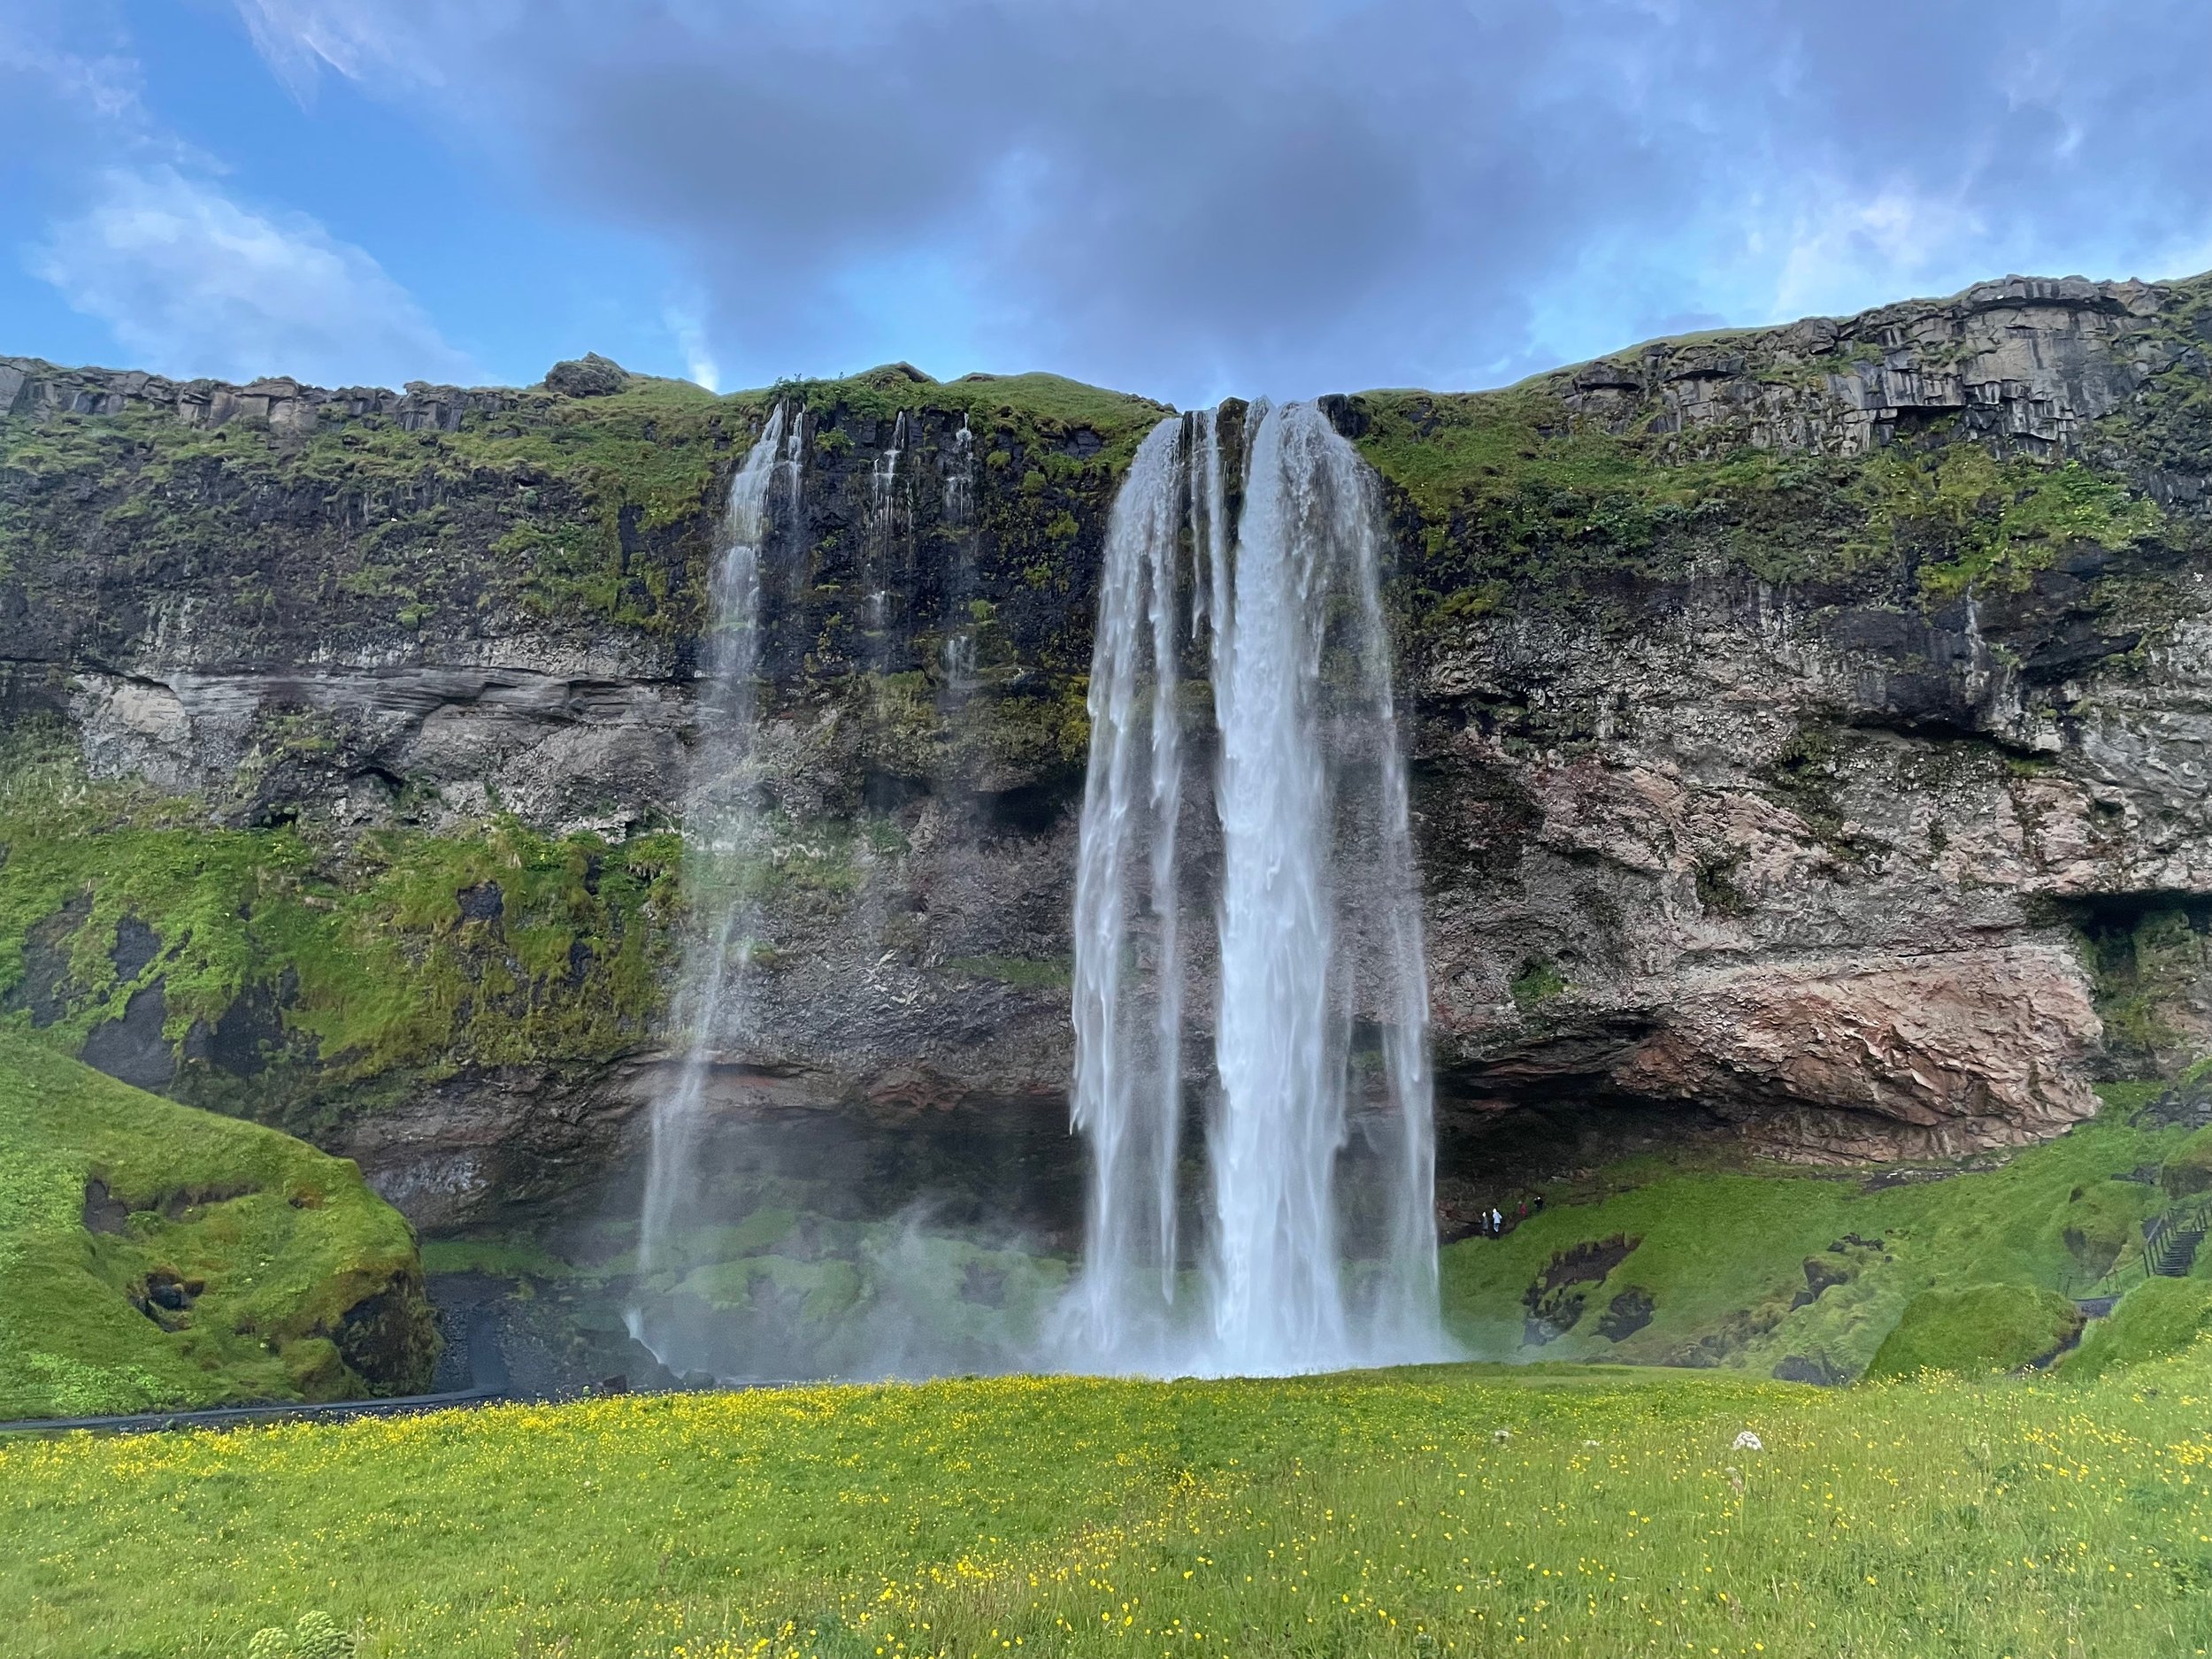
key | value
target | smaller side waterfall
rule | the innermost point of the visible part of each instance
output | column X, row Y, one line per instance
column 885, row 474
column 721, row 816
column 957, row 655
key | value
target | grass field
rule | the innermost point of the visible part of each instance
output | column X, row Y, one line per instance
column 1457, row 1510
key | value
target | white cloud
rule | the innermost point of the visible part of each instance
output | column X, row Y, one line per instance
column 1245, row 193
column 684, row 322
column 193, row 284
column 298, row 38
column 1844, row 248
column 105, row 83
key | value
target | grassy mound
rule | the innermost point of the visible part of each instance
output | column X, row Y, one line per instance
column 2187, row 1171
column 2158, row 1317
column 1469, row 1510
column 152, row 1254
column 1978, row 1328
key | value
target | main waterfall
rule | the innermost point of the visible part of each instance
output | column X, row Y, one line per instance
column 1319, row 1242
column 1248, row 999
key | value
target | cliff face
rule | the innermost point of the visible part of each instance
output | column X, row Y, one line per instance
column 1809, row 732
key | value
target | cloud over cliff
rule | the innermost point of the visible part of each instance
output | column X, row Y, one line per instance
column 1193, row 197
column 1251, row 193
column 189, row 279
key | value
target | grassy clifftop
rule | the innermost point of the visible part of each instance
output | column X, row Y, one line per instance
column 153, row 1255
column 1916, row 454
column 590, row 511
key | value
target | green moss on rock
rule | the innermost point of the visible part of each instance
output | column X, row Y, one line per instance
column 2188, row 1170
column 152, row 1254
column 288, row 968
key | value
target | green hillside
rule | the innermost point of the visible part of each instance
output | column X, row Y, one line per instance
column 154, row 1255
column 1802, row 1274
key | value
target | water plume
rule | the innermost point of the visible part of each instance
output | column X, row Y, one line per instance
column 1320, row 1000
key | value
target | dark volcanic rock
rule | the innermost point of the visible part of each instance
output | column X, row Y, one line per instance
column 589, row 376
column 132, row 1048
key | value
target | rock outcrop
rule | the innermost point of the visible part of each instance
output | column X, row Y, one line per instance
column 1805, row 721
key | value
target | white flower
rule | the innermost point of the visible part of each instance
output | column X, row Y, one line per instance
column 1748, row 1441
column 1589, row 1446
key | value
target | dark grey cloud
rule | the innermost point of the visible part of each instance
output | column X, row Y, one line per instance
column 1197, row 196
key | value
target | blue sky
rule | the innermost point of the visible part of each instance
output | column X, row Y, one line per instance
column 1185, row 197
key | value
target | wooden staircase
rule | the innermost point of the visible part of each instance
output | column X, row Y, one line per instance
column 2171, row 1239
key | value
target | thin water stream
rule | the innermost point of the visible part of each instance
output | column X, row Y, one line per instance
column 721, row 822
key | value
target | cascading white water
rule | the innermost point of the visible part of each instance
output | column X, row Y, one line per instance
column 885, row 523
column 1318, row 926
column 957, row 654
column 884, row 476
column 721, row 818
column 1276, row 1298
column 1128, row 1037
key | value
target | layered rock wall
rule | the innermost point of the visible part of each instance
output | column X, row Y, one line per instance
column 1807, row 722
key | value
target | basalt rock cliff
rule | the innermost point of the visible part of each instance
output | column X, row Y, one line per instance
column 1809, row 727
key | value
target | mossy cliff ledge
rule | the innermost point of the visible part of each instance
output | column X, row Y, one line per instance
column 1810, row 725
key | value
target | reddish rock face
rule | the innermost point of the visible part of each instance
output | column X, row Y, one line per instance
column 1931, row 1055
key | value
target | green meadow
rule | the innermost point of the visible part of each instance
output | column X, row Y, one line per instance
column 1470, row 1509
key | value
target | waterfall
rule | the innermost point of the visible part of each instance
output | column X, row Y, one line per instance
column 1128, row 1037
column 884, row 476
column 721, row 814
column 957, row 656
column 1314, row 1134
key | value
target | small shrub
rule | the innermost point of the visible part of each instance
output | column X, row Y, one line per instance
column 316, row 1636
column 1538, row 981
